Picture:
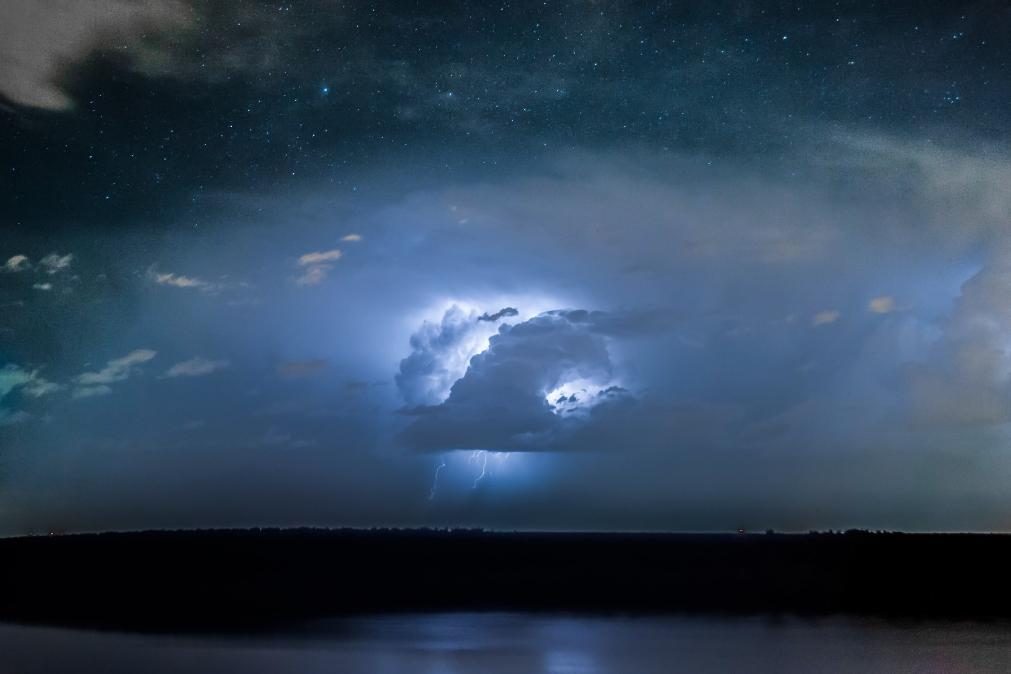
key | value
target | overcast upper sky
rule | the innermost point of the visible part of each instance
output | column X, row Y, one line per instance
column 550, row 265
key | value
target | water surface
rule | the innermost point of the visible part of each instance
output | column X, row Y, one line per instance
column 527, row 644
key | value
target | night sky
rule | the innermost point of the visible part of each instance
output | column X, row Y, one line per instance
column 539, row 265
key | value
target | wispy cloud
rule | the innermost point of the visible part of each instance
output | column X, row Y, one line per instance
column 316, row 266
column 882, row 305
column 180, row 281
column 115, row 370
column 42, row 286
column 29, row 382
column 351, row 238
column 91, row 391
column 11, row 377
column 39, row 386
column 195, row 367
column 826, row 317
column 15, row 264
column 319, row 257
column 55, row 263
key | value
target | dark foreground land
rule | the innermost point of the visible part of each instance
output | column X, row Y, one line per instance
column 250, row 578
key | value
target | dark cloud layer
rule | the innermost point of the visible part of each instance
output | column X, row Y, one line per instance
column 506, row 312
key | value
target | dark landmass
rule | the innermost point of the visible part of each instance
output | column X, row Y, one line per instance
column 245, row 579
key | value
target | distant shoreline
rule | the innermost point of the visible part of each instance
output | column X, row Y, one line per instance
column 248, row 579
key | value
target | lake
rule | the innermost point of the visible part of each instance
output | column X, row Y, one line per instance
column 526, row 644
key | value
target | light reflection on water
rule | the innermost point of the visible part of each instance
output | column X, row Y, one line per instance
column 527, row 644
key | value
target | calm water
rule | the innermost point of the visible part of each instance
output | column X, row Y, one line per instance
column 493, row 644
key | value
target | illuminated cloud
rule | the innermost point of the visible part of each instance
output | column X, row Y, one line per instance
column 826, row 317
column 319, row 257
column 15, row 264
column 42, row 286
column 180, row 281
column 440, row 353
column 313, row 276
column 501, row 403
column 116, row 370
column 882, row 305
column 55, row 263
column 195, row 367
column 316, row 266
column 351, row 238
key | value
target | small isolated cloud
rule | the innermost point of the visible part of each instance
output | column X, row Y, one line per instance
column 180, row 281
column 882, row 305
column 15, row 264
column 319, row 257
column 352, row 238
column 501, row 313
column 115, row 370
column 300, row 369
column 195, row 367
column 42, row 286
column 316, row 266
column 825, row 317
column 55, row 263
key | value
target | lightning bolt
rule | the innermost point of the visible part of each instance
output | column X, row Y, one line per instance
column 484, row 468
column 435, row 479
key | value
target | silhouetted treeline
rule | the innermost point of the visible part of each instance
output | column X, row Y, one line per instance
column 248, row 578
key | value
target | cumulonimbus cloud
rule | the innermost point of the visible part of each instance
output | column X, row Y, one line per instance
column 440, row 352
column 502, row 401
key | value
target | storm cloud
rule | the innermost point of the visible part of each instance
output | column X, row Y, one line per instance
column 275, row 264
